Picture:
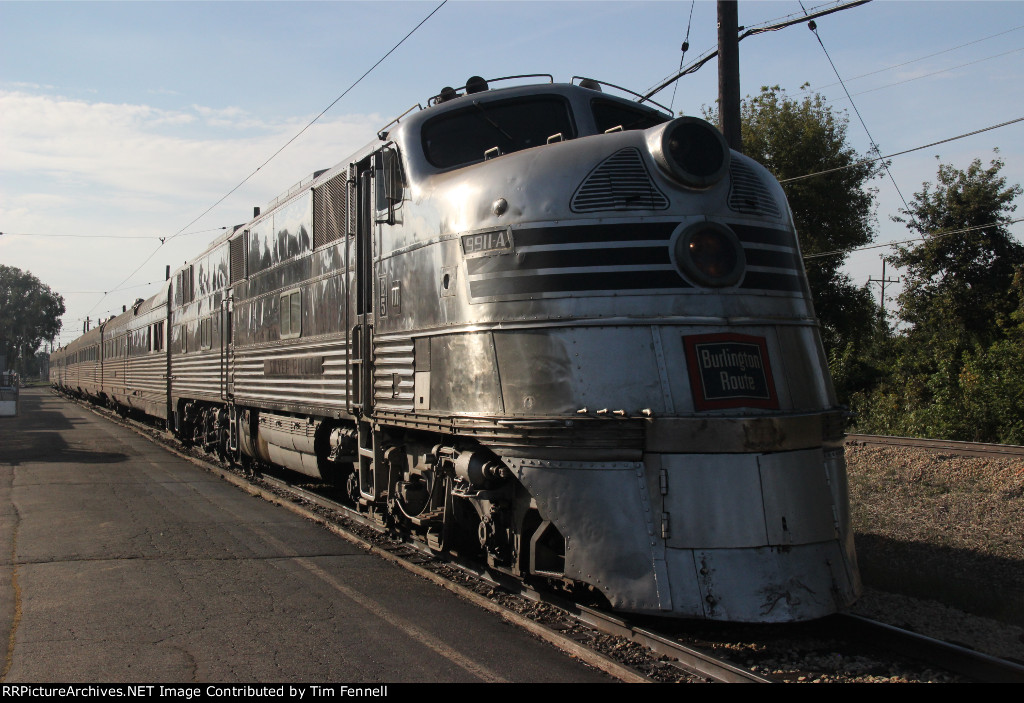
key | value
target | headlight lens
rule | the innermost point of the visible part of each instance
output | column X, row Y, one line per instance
column 691, row 151
column 710, row 254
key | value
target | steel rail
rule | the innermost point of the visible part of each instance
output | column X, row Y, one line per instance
column 688, row 659
column 966, row 448
column 952, row 657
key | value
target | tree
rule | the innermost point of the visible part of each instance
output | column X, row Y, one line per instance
column 29, row 313
column 955, row 369
column 958, row 279
column 832, row 212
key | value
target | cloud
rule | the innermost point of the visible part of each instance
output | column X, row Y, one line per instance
column 177, row 156
column 229, row 117
column 72, row 166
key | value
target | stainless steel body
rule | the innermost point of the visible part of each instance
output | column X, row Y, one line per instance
column 546, row 325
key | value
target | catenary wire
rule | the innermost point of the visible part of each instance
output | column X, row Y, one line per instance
column 276, row 153
column 712, row 53
column 900, row 153
column 928, row 235
column 874, row 145
column 686, row 45
column 714, row 49
column 922, row 58
column 106, row 236
column 928, row 75
column 314, row 120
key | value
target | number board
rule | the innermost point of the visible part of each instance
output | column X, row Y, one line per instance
column 493, row 242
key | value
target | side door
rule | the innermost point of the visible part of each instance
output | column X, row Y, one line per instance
column 359, row 285
column 377, row 185
column 373, row 194
column 227, row 347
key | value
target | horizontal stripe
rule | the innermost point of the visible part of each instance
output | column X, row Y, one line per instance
column 773, row 259
column 522, row 285
column 757, row 280
column 763, row 235
column 569, row 258
column 583, row 234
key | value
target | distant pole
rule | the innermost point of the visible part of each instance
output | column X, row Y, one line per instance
column 729, row 73
column 881, row 284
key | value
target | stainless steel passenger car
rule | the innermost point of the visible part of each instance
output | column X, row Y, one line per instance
column 549, row 326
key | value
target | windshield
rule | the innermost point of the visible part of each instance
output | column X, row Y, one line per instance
column 463, row 136
column 609, row 114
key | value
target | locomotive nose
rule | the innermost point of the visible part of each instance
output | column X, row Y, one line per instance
column 690, row 151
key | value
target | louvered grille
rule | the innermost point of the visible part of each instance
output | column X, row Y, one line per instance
column 620, row 182
column 184, row 288
column 353, row 193
column 748, row 193
column 238, row 257
column 329, row 208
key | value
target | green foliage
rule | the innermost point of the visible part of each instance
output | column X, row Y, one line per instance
column 860, row 363
column 832, row 212
column 955, row 369
column 29, row 313
column 956, row 285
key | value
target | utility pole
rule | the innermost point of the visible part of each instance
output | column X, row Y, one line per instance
column 881, row 284
column 729, row 73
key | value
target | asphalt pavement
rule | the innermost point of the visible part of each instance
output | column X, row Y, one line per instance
column 121, row 562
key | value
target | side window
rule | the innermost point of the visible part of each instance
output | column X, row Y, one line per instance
column 291, row 314
column 206, row 333
column 158, row 336
column 389, row 184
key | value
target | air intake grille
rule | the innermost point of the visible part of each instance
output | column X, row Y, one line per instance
column 238, row 257
column 329, row 211
column 748, row 193
column 620, row 182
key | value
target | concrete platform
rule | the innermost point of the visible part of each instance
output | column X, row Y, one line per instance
column 120, row 562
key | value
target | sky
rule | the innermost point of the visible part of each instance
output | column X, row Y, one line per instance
column 123, row 125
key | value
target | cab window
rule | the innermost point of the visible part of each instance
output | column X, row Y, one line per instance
column 494, row 128
column 609, row 114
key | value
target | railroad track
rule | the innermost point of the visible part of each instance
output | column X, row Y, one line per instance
column 974, row 665
column 944, row 445
column 573, row 627
column 694, row 661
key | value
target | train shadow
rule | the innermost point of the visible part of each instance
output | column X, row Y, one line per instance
column 35, row 434
column 981, row 584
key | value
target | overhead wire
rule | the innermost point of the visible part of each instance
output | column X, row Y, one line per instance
column 704, row 56
column 929, row 56
column 900, row 153
column 925, row 237
column 928, row 75
column 314, row 120
column 783, row 18
column 119, row 285
column 874, row 145
column 712, row 53
column 686, row 45
column 181, row 232
column 105, row 236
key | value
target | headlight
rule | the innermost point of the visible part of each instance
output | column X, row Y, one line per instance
column 710, row 254
column 691, row 151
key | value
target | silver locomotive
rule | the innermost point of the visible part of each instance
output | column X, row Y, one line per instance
column 542, row 324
